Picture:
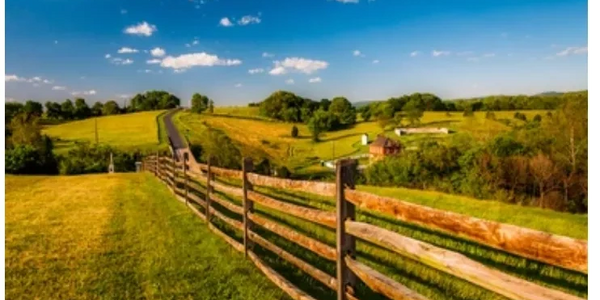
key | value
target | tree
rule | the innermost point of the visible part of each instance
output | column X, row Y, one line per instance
column 53, row 110
column 342, row 109
column 82, row 110
column 324, row 104
column 294, row 131
column 25, row 129
column 398, row 119
column 211, row 106
column 320, row 122
column 33, row 108
column 413, row 112
column 365, row 112
column 537, row 118
column 199, row 103
column 11, row 109
column 544, row 171
column 67, row 109
column 110, row 108
column 97, row 109
column 288, row 107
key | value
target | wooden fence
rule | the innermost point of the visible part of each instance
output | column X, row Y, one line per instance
column 564, row 252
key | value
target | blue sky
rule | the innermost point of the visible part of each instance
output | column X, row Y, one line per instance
column 361, row 49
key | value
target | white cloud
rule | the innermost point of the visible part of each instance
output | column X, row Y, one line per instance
column 414, row 53
column 36, row 78
column 489, row 55
column 437, row 53
column 158, row 52
column 154, row 61
column 315, row 80
column 195, row 42
column 143, row 28
column 59, row 88
column 302, row 65
column 120, row 61
column 107, row 56
column 348, row 1
column 356, row 53
column 202, row 59
column 225, row 22
column 127, row 50
column 179, row 70
column 46, row 81
column 12, row 77
column 266, row 54
column 86, row 93
column 376, row 61
column 290, row 81
column 256, row 71
column 247, row 20
column 239, row 85
column 573, row 50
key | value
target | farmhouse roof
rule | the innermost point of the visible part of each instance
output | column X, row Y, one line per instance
column 384, row 142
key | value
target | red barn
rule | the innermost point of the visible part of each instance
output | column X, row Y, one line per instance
column 383, row 146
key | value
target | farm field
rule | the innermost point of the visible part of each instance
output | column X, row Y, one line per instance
column 425, row 280
column 142, row 130
column 119, row 236
column 272, row 139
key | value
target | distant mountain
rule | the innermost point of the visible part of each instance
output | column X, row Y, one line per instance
column 550, row 94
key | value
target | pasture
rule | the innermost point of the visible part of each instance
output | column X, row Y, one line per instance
column 260, row 138
column 142, row 130
column 119, row 236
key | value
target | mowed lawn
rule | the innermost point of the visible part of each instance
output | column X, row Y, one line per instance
column 260, row 138
column 128, row 131
column 119, row 236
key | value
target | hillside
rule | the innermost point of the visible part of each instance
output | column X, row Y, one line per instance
column 120, row 236
column 140, row 130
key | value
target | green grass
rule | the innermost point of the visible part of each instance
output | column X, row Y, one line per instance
column 130, row 131
column 423, row 279
column 259, row 138
column 119, row 236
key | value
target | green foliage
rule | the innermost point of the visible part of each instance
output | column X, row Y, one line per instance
column 490, row 115
column 283, row 172
column 517, row 102
column 33, row 108
column 414, row 111
column 221, row 149
column 110, row 108
column 294, row 131
column 154, row 100
column 520, row 116
column 199, row 103
column 28, row 151
column 288, row 107
column 468, row 112
column 67, row 109
column 320, row 122
column 97, row 109
column 343, row 110
column 537, row 118
column 82, row 110
column 85, row 159
column 211, row 106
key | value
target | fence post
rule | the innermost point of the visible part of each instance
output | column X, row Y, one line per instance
column 345, row 243
column 185, row 176
column 156, row 165
column 247, row 166
column 208, row 189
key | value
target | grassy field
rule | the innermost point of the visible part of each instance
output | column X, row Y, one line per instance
column 120, row 236
column 259, row 138
column 423, row 279
column 131, row 131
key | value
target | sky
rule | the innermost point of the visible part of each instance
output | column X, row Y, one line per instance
column 241, row 51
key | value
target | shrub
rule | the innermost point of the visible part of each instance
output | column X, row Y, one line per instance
column 537, row 118
column 84, row 159
column 283, row 172
column 294, row 131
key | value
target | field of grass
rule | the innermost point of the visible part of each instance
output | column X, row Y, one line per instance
column 259, row 138
column 422, row 279
column 130, row 131
column 119, row 236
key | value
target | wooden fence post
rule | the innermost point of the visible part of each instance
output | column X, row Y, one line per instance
column 156, row 165
column 185, row 176
column 345, row 243
column 247, row 166
column 208, row 189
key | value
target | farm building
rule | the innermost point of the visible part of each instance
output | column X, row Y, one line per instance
column 383, row 146
column 404, row 131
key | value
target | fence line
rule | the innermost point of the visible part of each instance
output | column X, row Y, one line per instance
column 187, row 173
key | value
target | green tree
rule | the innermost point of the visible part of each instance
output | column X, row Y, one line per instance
column 199, row 103
column 413, row 112
column 33, row 108
column 111, row 108
column 294, row 131
column 53, row 110
column 82, row 110
column 320, row 122
column 342, row 109
column 97, row 109
column 11, row 109
column 67, row 109
column 211, row 106
column 25, row 129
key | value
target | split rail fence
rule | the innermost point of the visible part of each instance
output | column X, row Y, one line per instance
column 180, row 176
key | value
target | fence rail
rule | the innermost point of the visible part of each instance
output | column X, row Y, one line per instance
column 185, row 176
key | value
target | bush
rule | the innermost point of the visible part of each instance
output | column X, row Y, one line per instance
column 27, row 159
column 490, row 115
column 85, row 159
column 294, row 131
column 537, row 118
column 283, row 172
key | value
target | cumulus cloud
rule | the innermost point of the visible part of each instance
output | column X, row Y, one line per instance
column 120, row 61
column 142, row 29
column 573, row 50
column 247, row 20
column 349, row 1
column 414, row 53
column 158, row 52
column 46, row 81
column 59, row 88
column 238, row 85
column 356, row 53
column 179, row 71
column 290, row 81
column 35, row 80
column 201, row 59
column 107, row 56
column 12, row 77
column 315, row 80
column 376, row 61
column 195, row 42
column 154, row 61
column 86, row 93
column 225, row 22
column 256, row 71
column 127, row 50
column 437, row 53
column 297, row 64
column 266, row 54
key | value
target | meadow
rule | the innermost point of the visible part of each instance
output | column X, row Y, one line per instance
column 267, row 138
column 142, row 130
column 118, row 236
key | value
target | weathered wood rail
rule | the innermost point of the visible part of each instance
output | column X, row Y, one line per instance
column 186, row 176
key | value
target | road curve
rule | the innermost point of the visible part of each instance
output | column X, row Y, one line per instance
column 176, row 141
